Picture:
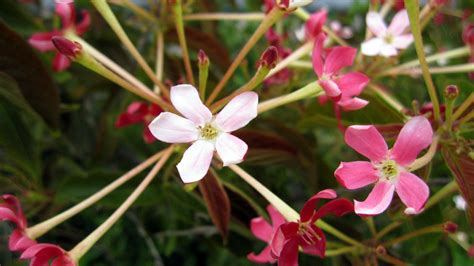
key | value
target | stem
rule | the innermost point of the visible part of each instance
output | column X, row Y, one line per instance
column 104, row 9
column 468, row 117
column 447, row 190
column 80, row 249
column 137, row 9
column 312, row 89
column 270, row 19
column 388, row 99
column 437, row 228
column 297, row 54
column 160, row 56
column 438, row 70
column 389, row 228
column 178, row 20
column 412, row 8
column 425, row 159
column 40, row 229
column 463, row 107
column 225, row 16
column 341, row 251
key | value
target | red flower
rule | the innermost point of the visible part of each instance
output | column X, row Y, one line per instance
column 291, row 236
column 43, row 40
column 140, row 113
column 11, row 211
column 264, row 231
column 42, row 254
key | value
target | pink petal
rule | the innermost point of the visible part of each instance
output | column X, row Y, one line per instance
column 372, row 47
column 135, row 113
column 352, row 104
column 84, row 24
column 289, row 253
column 61, row 62
column 147, row 135
column 308, row 208
column 275, row 215
column 388, row 50
column 412, row 191
column 315, row 23
column 185, row 99
column 415, row 136
column 330, row 88
column 378, row 200
column 238, row 112
column 264, row 257
column 375, row 24
column 67, row 13
column 19, row 242
column 317, row 55
column 7, row 214
column 42, row 41
column 337, row 207
column 399, row 23
column 261, row 229
column 355, row 175
column 172, row 128
column 338, row 58
column 402, row 41
column 231, row 149
column 196, row 161
column 352, row 84
column 367, row 141
column 33, row 251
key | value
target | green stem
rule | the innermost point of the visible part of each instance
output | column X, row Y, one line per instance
column 438, row 70
column 341, row 251
column 412, row 8
column 447, row 190
column 463, row 107
column 178, row 20
column 438, row 228
column 224, row 16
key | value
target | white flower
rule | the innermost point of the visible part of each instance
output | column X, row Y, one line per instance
column 206, row 132
column 459, row 202
column 387, row 40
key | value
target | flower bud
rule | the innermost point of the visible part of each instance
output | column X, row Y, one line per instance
column 450, row 227
column 67, row 47
column 451, row 92
column 203, row 60
column 380, row 250
column 269, row 58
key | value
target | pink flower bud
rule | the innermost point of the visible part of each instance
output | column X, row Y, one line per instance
column 203, row 59
column 67, row 47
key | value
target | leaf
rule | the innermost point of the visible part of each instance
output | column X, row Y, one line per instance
column 19, row 61
column 462, row 166
column 217, row 202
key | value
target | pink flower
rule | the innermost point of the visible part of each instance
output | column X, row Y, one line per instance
column 140, row 113
column 343, row 32
column 10, row 210
column 42, row 254
column 315, row 23
column 206, row 132
column 388, row 169
column 343, row 89
column 291, row 236
column 387, row 40
column 265, row 232
column 43, row 40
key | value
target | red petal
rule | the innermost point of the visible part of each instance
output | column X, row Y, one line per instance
column 338, row 207
column 308, row 209
column 319, row 247
column 289, row 254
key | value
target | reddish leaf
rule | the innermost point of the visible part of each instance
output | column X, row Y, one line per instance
column 217, row 202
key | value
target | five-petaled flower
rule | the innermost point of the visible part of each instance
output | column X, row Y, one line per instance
column 290, row 236
column 43, row 40
column 388, row 169
column 264, row 231
column 10, row 210
column 43, row 254
column 205, row 131
column 343, row 89
column 387, row 40
column 140, row 113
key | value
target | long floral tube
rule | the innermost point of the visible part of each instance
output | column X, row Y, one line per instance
column 38, row 230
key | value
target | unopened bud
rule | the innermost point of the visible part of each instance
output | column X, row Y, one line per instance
column 203, row 60
column 451, row 92
column 450, row 227
column 380, row 250
column 67, row 47
column 269, row 58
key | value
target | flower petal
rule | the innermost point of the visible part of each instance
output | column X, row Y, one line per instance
column 415, row 136
column 196, row 161
column 265, row 256
column 317, row 55
column 42, row 41
column 231, row 149
column 353, row 104
column 378, row 200
column 19, row 242
column 330, row 88
column 67, row 13
column 375, row 23
column 261, row 229
column 413, row 191
column 61, row 62
column 318, row 248
column 367, row 141
column 338, row 58
column 314, row 25
column 402, row 41
column 337, row 207
column 275, row 215
column 372, row 47
column 84, row 24
column 289, row 253
column 388, row 50
column 282, row 235
column 399, row 23
column 355, row 175
column 352, row 84
column 308, row 208
column 172, row 128
column 135, row 113
column 185, row 99
column 238, row 112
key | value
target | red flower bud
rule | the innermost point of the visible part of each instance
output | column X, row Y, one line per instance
column 450, row 227
column 269, row 58
column 203, row 59
column 451, row 92
column 67, row 47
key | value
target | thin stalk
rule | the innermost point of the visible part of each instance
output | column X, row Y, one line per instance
column 463, row 107
column 270, row 19
column 140, row 11
column 178, row 21
column 297, row 54
column 257, row 16
column 104, row 9
column 412, row 8
column 464, row 68
column 391, row 260
column 388, row 229
column 40, row 229
column 437, row 228
column 341, row 251
column 85, row 245
column 160, row 57
column 467, row 118
column 388, row 99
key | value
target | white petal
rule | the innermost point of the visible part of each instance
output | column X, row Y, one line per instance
column 231, row 149
column 399, row 23
column 196, row 161
column 402, row 41
column 388, row 50
column 375, row 24
column 372, row 46
column 185, row 99
column 172, row 128
column 238, row 112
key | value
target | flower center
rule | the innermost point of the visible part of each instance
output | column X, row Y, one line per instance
column 388, row 169
column 208, row 132
column 308, row 234
column 388, row 38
